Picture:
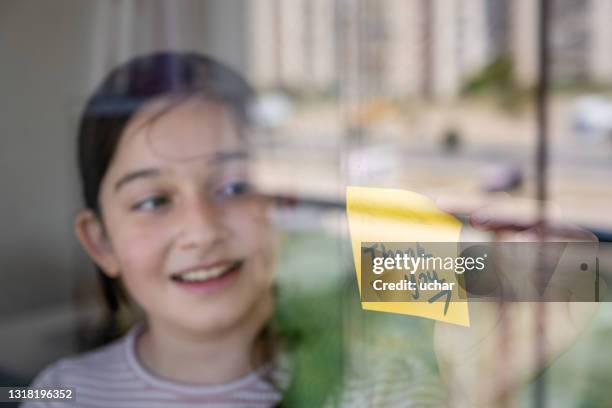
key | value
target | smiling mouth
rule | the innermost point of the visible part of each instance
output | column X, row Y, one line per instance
column 206, row 274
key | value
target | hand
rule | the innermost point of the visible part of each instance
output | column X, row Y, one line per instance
column 484, row 363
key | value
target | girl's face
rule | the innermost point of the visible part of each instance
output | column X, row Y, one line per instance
column 182, row 225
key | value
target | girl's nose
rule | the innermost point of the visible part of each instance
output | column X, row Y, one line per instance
column 202, row 226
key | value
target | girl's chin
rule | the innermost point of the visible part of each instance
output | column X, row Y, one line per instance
column 241, row 313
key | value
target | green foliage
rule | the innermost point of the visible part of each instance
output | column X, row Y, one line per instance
column 496, row 76
column 497, row 79
column 308, row 318
column 312, row 328
column 320, row 325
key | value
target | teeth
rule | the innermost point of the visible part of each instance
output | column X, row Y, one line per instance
column 204, row 274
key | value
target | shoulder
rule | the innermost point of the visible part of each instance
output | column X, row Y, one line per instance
column 106, row 361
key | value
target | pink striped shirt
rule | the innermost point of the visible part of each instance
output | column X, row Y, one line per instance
column 112, row 376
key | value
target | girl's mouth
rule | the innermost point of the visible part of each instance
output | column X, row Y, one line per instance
column 208, row 279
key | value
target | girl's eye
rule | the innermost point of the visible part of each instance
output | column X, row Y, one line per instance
column 151, row 203
column 237, row 188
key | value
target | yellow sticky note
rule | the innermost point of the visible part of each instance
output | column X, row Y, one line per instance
column 390, row 215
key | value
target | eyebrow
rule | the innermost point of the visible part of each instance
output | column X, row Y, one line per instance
column 217, row 158
column 134, row 175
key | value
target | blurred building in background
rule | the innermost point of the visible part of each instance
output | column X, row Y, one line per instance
column 420, row 48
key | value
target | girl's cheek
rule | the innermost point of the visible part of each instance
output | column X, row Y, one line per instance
column 253, row 228
column 142, row 246
column 258, row 239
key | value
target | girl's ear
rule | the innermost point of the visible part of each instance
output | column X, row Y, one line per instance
column 90, row 232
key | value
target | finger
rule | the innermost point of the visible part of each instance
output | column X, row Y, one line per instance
column 512, row 215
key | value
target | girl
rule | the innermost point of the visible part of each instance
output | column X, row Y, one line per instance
column 172, row 217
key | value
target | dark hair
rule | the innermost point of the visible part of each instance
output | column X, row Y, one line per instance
column 138, row 82
column 123, row 93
